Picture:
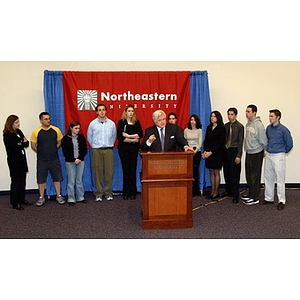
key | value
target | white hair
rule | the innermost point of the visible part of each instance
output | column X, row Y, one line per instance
column 158, row 113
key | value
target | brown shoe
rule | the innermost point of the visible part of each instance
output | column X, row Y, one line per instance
column 280, row 206
column 264, row 202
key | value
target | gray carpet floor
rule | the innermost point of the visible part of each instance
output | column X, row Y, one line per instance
column 121, row 219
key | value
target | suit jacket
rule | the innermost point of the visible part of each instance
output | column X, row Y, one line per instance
column 16, row 157
column 215, row 142
column 173, row 136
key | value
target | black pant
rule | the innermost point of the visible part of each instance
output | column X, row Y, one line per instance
column 17, row 188
column 128, row 158
column 196, row 163
column 253, row 173
column 232, row 172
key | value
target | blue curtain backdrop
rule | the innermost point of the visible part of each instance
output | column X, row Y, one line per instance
column 201, row 106
column 54, row 104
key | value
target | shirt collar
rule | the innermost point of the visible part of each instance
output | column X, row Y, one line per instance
column 276, row 126
column 102, row 121
column 159, row 128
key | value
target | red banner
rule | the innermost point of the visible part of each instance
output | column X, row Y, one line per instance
column 147, row 91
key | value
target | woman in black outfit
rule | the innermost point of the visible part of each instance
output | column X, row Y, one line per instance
column 213, row 151
column 15, row 142
column 129, row 134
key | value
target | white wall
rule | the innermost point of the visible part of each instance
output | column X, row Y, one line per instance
column 266, row 84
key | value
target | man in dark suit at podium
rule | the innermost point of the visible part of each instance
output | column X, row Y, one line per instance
column 163, row 136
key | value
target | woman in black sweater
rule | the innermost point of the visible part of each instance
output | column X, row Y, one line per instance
column 15, row 142
column 74, row 149
column 214, row 144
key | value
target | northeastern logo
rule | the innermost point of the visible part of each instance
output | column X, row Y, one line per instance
column 86, row 99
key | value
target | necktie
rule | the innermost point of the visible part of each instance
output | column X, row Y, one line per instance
column 162, row 139
column 228, row 140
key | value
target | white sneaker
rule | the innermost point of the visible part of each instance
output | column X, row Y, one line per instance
column 98, row 198
column 251, row 201
column 245, row 197
column 108, row 198
column 41, row 201
column 248, row 200
column 60, row 199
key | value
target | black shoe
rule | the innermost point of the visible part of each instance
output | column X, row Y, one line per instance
column 82, row 201
column 125, row 197
column 18, row 207
column 215, row 197
column 225, row 194
column 71, row 203
column 209, row 196
column 132, row 197
column 25, row 202
column 235, row 200
column 280, row 206
column 264, row 202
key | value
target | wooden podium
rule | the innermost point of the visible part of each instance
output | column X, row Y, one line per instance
column 167, row 179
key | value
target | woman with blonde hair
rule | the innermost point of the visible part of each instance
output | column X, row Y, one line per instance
column 129, row 133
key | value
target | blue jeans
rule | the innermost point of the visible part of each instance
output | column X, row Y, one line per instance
column 75, row 173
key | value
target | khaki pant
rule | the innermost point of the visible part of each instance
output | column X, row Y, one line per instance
column 103, row 170
column 275, row 166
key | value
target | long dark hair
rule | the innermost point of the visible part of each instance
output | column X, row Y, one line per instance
column 73, row 124
column 218, row 116
column 8, row 127
column 198, row 123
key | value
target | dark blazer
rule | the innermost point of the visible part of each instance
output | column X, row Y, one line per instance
column 173, row 136
column 214, row 139
column 214, row 142
column 16, row 157
column 68, row 149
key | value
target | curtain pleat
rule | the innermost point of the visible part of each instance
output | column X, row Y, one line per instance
column 201, row 106
column 54, row 105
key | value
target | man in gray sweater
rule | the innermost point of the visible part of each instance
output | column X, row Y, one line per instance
column 255, row 143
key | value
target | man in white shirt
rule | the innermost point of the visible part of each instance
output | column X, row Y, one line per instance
column 101, row 135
